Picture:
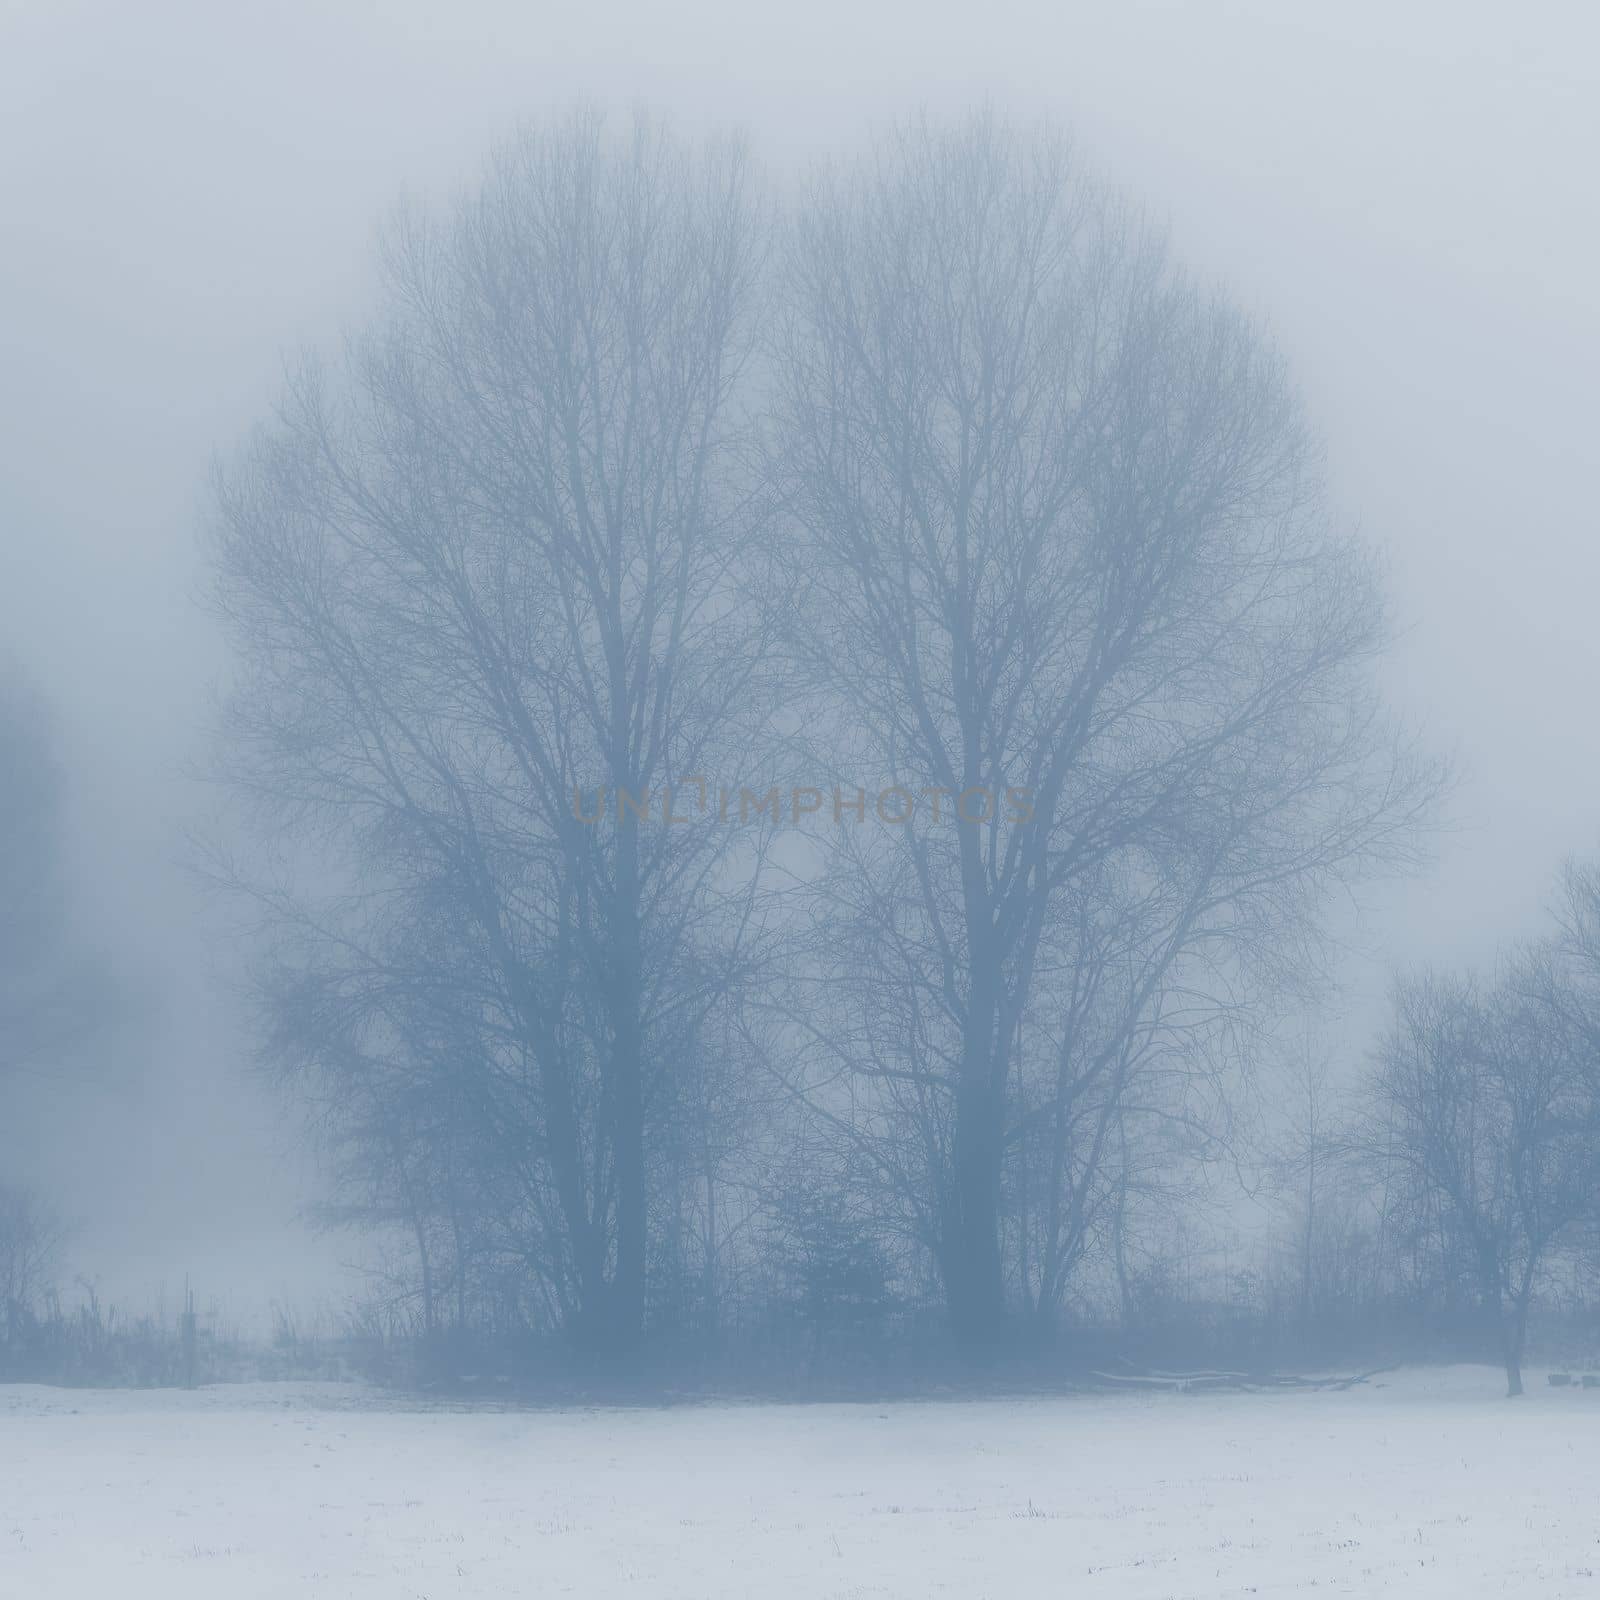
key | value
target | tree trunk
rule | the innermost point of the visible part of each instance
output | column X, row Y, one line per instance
column 628, row 1287
column 974, row 1279
column 1502, row 1326
column 1308, row 1243
column 1513, row 1360
column 1119, row 1236
column 711, row 1289
column 1514, row 1333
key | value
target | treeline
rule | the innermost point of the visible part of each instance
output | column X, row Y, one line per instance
column 797, row 748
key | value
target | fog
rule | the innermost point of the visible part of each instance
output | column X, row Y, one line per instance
column 189, row 197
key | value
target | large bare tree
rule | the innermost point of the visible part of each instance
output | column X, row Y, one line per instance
column 1055, row 527
column 478, row 574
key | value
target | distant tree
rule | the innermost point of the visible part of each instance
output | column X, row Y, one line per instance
column 1485, row 1097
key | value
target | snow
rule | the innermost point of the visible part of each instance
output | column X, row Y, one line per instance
column 1431, row 1485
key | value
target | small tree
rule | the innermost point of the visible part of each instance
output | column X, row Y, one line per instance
column 1486, row 1099
column 836, row 1268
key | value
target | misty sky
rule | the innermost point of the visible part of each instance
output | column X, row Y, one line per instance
column 187, row 192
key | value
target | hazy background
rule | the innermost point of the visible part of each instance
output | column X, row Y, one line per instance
column 189, row 191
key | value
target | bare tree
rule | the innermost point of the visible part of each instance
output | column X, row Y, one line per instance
column 1483, row 1096
column 30, row 1240
column 1059, row 561
column 478, row 578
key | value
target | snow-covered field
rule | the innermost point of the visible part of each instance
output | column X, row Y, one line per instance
column 1432, row 1485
